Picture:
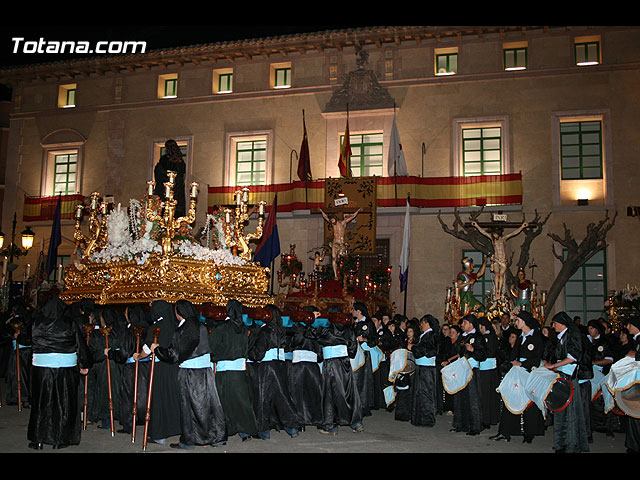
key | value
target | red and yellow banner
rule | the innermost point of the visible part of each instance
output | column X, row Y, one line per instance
column 425, row 192
column 44, row 208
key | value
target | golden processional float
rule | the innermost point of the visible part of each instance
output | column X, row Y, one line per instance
column 146, row 253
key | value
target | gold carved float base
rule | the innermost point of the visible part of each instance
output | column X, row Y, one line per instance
column 169, row 278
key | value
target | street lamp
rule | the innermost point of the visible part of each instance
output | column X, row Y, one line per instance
column 13, row 250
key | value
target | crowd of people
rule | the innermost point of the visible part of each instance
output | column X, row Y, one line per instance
column 219, row 372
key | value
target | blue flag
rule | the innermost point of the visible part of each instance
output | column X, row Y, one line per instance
column 269, row 246
column 55, row 241
column 406, row 247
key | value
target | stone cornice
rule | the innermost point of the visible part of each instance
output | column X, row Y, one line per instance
column 248, row 49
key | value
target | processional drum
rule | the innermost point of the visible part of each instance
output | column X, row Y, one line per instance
column 401, row 362
column 548, row 390
column 624, row 384
column 456, row 376
column 512, row 388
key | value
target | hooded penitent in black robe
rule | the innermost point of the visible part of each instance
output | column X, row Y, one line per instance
column 423, row 392
column 490, row 377
column 569, row 425
column 386, row 343
column 528, row 350
column 98, row 409
column 601, row 349
column 55, row 411
column 305, row 378
column 366, row 329
column 165, row 397
column 467, row 413
column 229, row 345
column 273, row 405
column 341, row 403
column 202, row 417
column 136, row 324
column 21, row 318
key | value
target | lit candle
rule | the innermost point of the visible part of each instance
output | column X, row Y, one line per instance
column 245, row 196
column 261, row 208
column 60, row 272
column 194, row 190
column 238, row 197
column 4, row 266
column 79, row 210
column 150, row 185
column 118, row 207
column 167, row 190
column 28, row 270
column 227, row 217
column 94, row 200
column 104, row 208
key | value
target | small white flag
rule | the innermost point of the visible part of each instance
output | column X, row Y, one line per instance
column 397, row 165
column 404, row 255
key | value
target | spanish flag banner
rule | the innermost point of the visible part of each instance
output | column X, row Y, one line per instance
column 425, row 192
column 44, row 208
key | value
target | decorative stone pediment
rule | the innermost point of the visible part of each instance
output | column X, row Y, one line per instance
column 360, row 90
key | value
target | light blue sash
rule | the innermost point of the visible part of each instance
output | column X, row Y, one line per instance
column 237, row 365
column 145, row 359
column 304, row 356
column 288, row 356
column 54, row 360
column 567, row 369
column 426, row 361
column 473, row 363
column 320, row 322
column 488, row 364
column 334, row 351
column 286, row 321
column 203, row 361
column 273, row 354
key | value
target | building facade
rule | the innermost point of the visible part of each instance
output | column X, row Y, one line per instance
column 556, row 106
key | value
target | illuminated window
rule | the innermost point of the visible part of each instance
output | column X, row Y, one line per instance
column 581, row 149
column 587, row 52
column 366, row 154
column 168, row 85
column 280, row 76
column 67, row 96
column 446, row 61
column 481, row 151
column 223, row 80
column 515, row 58
column 251, row 162
column 65, row 167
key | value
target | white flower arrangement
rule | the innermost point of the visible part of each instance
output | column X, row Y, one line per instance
column 222, row 256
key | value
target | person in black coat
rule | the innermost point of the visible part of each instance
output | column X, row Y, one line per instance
column 202, row 419
column 489, row 375
column 424, row 392
column 526, row 353
column 60, row 356
column 365, row 333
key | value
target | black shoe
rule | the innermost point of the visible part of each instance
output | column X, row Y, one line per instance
column 456, row 430
column 35, row 445
column 500, row 437
column 473, row 433
column 527, row 439
column 59, row 446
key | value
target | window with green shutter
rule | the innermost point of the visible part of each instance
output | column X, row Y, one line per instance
column 446, row 64
column 515, row 58
column 65, row 166
column 587, row 53
column 586, row 291
column 366, row 154
column 251, row 162
column 481, row 151
column 581, row 150
column 282, row 77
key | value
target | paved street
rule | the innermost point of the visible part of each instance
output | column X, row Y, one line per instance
column 382, row 434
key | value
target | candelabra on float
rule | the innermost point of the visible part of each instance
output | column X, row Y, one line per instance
column 233, row 228
column 97, row 237
column 166, row 220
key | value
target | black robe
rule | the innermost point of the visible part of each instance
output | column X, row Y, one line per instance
column 364, row 374
column 467, row 413
column 387, row 343
column 341, row 403
column 201, row 416
column 273, row 406
column 55, row 411
column 229, row 342
column 570, row 433
column 305, row 378
column 602, row 422
column 528, row 350
column 489, row 381
column 423, row 392
column 165, row 397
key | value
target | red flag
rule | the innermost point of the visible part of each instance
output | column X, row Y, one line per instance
column 304, row 163
column 345, row 154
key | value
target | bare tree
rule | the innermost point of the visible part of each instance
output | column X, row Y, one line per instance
column 577, row 253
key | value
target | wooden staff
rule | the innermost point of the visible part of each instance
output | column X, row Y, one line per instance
column 147, row 417
column 137, row 331
column 87, row 331
column 16, row 327
column 105, row 331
